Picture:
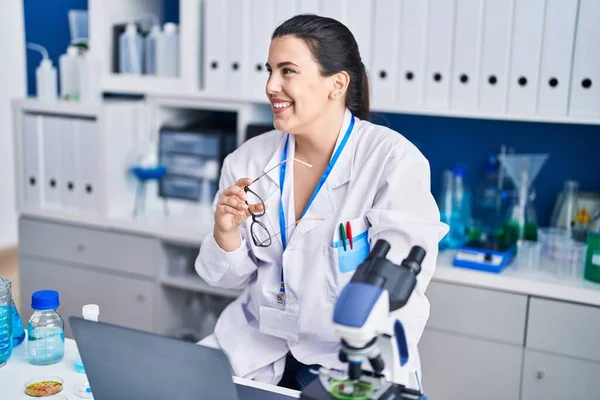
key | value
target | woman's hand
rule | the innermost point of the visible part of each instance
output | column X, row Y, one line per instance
column 232, row 210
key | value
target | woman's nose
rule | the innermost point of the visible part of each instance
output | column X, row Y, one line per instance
column 273, row 85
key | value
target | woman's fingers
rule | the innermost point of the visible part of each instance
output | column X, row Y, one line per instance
column 235, row 191
column 233, row 202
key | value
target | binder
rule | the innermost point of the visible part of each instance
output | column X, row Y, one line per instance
column 215, row 42
column 33, row 179
column 585, row 82
column 237, row 39
column 440, row 32
column 467, row 46
column 413, row 41
column 335, row 9
column 284, row 10
column 308, row 7
column 495, row 50
column 52, row 156
column 359, row 18
column 528, row 21
column 88, row 171
column 555, row 71
column 69, row 165
column 262, row 17
column 386, row 45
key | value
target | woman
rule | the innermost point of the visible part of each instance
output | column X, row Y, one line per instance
column 277, row 225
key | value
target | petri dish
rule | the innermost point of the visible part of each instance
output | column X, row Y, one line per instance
column 351, row 390
column 44, row 386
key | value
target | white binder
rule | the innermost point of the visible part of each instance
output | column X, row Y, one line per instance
column 495, row 50
column 440, row 32
column 237, row 45
column 262, row 25
column 32, row 159
column 467, row 46
column 68, row 188
column 528, row 26
column 215, row 46
column 386, row 45
column 413, row 42
column 555, row 71
column 308, row 7
column 359, row 17
column 88, row 171
column 284, row 10
column 585, row 82
column 52, row 142
column 335, row 9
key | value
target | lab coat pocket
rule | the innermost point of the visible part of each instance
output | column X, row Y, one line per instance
column 341, row 263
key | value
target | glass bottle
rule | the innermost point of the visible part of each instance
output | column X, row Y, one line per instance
column 45, row 330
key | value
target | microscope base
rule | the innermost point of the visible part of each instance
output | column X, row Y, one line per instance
column 316, row 391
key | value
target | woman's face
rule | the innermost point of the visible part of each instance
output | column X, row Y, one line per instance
column 298, row 93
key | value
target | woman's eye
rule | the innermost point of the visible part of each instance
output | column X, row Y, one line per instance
column 288, row 71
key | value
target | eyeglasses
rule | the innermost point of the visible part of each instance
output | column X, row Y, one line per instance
column 258, row 230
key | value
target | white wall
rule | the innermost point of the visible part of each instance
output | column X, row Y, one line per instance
column 12, row 84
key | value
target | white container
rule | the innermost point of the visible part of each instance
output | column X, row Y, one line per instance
column 150, row 50
column 168, row 51
column 45, row 75
column 130, row 51
column 89, row 75
column 69, row 74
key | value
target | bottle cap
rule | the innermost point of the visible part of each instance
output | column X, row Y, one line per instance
column 90, row 312
column 170, row 27
column 46, row 63
column 45, row 300
column 131, row 29
column 72, row 51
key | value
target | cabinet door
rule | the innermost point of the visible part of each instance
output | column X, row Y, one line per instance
column 549, row 376
column 460, row 367
column 123, row 301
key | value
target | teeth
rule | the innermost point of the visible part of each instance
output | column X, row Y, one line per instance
column 281, row 105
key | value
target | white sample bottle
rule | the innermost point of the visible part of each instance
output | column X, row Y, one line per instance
column 45, row 75
column 150, row 49
column 130, row 50
column 90, row 312
column 168, row 51
column 69, row 74
column 89, row 75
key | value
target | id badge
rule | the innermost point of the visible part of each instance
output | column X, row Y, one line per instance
column 279, row 322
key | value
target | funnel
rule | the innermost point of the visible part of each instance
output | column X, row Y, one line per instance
column 522, row 170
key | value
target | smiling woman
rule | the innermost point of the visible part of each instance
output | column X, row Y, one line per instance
column 348, row 174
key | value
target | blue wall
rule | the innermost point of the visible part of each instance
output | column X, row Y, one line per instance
column 574, row 149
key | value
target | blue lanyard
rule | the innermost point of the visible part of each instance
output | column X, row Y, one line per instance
column 326, row 173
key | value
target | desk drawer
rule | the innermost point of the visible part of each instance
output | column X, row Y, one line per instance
column 564, row 328
column 478, row 312
column 112, row 250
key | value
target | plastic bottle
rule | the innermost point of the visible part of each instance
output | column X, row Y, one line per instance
column 150, row 49
column 130, row 50
column 45, row 75
column 69, row 64
column 89, row 73
column 45, row 330
column 18, row 333
column 89, row 312
column 592, row 259
column 462, row 205
column 168, row 51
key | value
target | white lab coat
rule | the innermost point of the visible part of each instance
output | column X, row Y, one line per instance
column 381, row 184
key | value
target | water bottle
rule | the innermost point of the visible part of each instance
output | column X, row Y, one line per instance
column 45, row 330
column 89, row 312
column 150, row 50
column 167, row 63
column 69, row 64
column 45, row 75
column 130, row 50
column 18, row 333
column 5, row 322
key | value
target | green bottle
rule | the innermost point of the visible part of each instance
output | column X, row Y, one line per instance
column 592, row 259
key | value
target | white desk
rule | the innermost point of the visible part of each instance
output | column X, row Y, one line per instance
column 18, row 371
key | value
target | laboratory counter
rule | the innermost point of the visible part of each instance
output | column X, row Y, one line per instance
column 187, row 231
column 18, row 371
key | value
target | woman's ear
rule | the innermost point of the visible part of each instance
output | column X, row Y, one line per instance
column 340, row 81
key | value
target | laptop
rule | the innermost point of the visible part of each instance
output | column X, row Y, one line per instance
column 125, row 364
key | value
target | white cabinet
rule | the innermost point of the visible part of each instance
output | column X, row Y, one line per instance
column 460, row 367
column 548, row 377
column 123, row 300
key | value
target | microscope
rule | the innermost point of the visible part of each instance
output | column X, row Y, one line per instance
column 377, row 287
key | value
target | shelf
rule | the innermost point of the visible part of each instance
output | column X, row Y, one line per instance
column 195, row 283
column 71, row 108
column 145, row 85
